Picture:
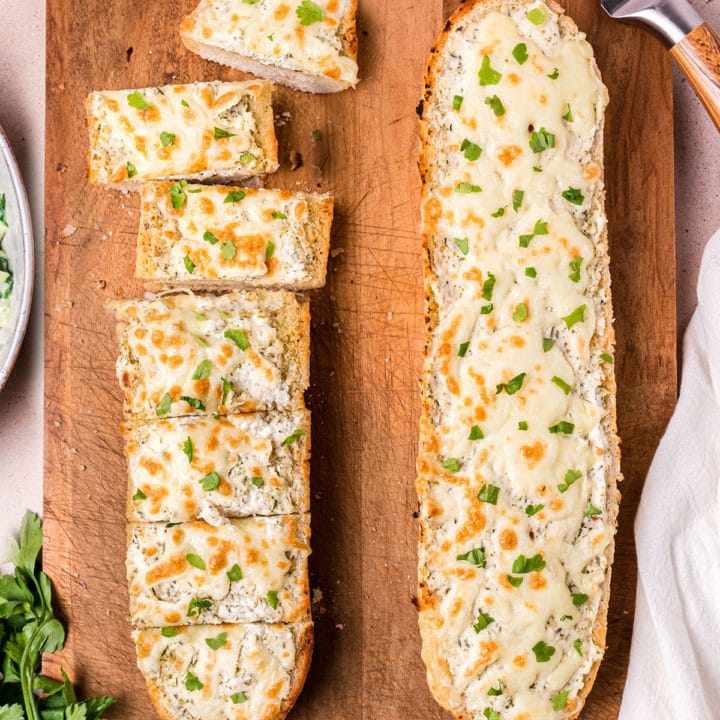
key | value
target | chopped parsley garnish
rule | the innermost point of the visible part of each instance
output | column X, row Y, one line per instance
column 195, row 561
column 579, row 599
column 470, row 150
column 512, row 386
column 188, row 448
column 576, row 316
column 177, row 194
column 491, row 714
column 184, row 103
column 514, row 581
column 591, row 510
column 452, row 465
column 554, row 74
column 197, row 605
column 210, row 482
column 517, row 199
column 475, row 556
column 226, row 388
column 210, row 238
column 309, row 13
column 475, row 433
column 574, row 196
column 131, row 170
column 137, row 101
column 548, row 344
column 277, row 215
column 463, row 245
column 228, row 250
column 520, row 313
column 241, row 697
column 246, row 158
column 272, row 598
column 167, row 138
column 221, row 134
column 607, row 357
column 574, row 266
column 486, row 309
column 193, row 402
column 463, row 348
column 483, row 620
column 563, row 427
column 269, row 249
column 238, row 337
column 234, row 573
column 566, row 617
column 293, row 436
column 570, row 477
column 203, row 370
column 524, row 240
column 531, row 272
column 543, row 651
column 170, row 631
column 489, row 494
column 139, row 495
column 200, row 341
column 495, row 105
column 577, row 644
column 523, row 565
column 317, row 135
column 536, row 16
column 540, row 228
column 531, row 510
column 565, row 387
column 541, row 140
column 192, row 683
column 457, row 102
column 522, row 425
column 520, row 53
column 559, row 701
column 163, row 407
column 189, row 264
column 568, row 115
column 234, row 196
column 499, row 212
column 486, row 75
column 488, row 285
column 217, row 642
column 466, row 187
column 258, row 482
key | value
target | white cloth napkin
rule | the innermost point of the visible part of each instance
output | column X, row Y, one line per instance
column 674, row 669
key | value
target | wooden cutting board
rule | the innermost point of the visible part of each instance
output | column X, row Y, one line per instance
column 367, row 339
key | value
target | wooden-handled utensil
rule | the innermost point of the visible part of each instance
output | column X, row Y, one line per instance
column 693, row 44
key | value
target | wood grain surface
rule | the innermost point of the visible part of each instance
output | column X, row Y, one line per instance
column 367, row 339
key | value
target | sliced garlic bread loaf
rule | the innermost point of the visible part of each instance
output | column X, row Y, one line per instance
column 247, row 570
column 305, row 44
column 194, row 355
column 198, row 131
column 211, row 467
column 519, row 456
column 225, row 672
column 224, row 237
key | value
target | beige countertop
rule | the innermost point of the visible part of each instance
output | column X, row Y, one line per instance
column 22, row 77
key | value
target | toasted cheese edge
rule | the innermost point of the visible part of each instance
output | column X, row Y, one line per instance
column 601, row 343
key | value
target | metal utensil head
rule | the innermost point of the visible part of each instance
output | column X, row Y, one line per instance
column 669, row 20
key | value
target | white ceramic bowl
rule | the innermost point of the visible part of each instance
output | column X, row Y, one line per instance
column 18, row 244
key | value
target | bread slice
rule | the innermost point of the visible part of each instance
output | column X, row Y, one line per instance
column 199, row 131
column 257, row 672
column 310, row 46
column 246, row 570
column 262, row 462
column 519, row 456
column 186, row 354
column 223, row 237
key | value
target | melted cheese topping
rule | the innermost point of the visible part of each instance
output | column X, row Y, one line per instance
column 190, row 355
column 512, row 455
column 252, row 675
column 269, row 237
column 197, row 130
column 261, row 472
column 172, row 568
column 271, row 32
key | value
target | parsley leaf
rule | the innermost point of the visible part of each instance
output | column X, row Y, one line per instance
column 188, row 448
column 195, row 561
column 208, row 237
column 520, row 313
column 559, row 701
column 495, row 105
column 177, row 194
column 536, row 16
column 470, row 150
column 543, row 651
column 564, row 427
column 520, row 53
column 293, row 436
column 489, row 494
column 452, row 465
column 309, row 13
column 475, row 556
column 272, row 598
column 517, row 199
column 523, row 565
column 167, row 138
column 221, row 134
column 457, row 102
column 483, row 620
column 238, row 337
column 234, row 573
column 486, row 75
column 531, row 510
column 192, row 683
column 163, row 407
column 193, row 402
column 573, row 195
column 576, row 316
column 137, row 101
column 170, row 631
column 217, row 642
column 574, row 266
column 475, row 433
column 565, row 387
column 541, row 140
column 210, row 482
column 512, row 386
column 228, row 250
column 466, row 187
column 463, row 245
column 234, row 196
column 570, row 477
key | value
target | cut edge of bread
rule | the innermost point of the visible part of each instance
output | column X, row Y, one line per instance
column 304, row 643
column 276, row 71
column 600, row 343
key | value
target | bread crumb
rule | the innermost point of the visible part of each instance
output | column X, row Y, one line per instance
column 68, row 230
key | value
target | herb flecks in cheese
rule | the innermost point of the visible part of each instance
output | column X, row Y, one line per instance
column 529, row 493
